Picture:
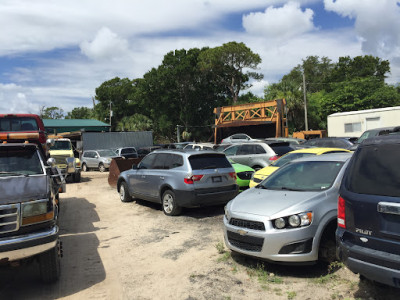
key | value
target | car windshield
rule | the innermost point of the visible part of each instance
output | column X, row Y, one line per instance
column 16, row 162
column 289, row 157
column 61, row 145
column 106, row 153
column 304, row 176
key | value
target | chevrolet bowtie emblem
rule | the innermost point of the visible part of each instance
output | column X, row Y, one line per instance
column 242, row 232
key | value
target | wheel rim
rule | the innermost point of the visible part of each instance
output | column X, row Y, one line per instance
column 168, row 203
column 84, row 168
column 101, row 168
column 122, row 192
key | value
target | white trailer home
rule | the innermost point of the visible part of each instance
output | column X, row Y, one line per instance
column 354, row 123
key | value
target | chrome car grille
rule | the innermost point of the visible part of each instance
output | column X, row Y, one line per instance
column 9, row 217
column 254, row 225
column 245, row 175
column 245, row 242
column 60, row 159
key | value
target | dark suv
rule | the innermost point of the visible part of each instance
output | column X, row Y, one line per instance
column 180, row 178
column 368, row 234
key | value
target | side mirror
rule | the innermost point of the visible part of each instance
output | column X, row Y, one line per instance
column 96, row 156
column 51, row 162
column 50, row 142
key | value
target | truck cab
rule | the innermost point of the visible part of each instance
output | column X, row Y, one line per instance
column 62, row 151
column 29, row 204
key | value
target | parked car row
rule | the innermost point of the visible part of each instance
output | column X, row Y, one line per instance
column 292, row 212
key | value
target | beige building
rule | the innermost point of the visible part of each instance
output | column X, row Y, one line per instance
column 354, row 123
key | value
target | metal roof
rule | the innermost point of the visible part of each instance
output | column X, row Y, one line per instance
column 69, row 125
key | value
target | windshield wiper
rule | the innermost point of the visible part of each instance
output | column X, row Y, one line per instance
column 260, row 186
column 290, row 189
column 13, row 173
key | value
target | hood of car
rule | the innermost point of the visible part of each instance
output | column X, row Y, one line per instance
column 266, row 171
column 15, row 189
column 241, row 168
column 269, row 203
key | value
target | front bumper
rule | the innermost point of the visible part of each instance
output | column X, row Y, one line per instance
column 28, row 245
column 375, row 265
column 258, row 238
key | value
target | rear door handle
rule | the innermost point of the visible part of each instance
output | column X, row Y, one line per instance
column 143, row 176
column 162, row 177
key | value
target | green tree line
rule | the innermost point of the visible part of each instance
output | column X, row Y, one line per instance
column 189, row 84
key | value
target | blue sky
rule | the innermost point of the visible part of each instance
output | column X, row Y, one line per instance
column 56, row 52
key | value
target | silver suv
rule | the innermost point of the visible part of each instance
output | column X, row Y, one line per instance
column 255, row 155
column 100, row 159
column 180, row 178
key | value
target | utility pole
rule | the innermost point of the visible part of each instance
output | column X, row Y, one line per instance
column 110, row 115
column 305, row 102
column 178, row 133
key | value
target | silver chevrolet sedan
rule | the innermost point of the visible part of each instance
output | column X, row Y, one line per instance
column 290, row 216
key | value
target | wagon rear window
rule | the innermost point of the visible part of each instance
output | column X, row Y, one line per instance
column 209, row 161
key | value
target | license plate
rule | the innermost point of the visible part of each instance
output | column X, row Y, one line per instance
column 217, row 179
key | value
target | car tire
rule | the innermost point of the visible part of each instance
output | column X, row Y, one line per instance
column 124, row 192
column 49, row 264
column 102, row 168
column 169, row 205
column 327, row 251
column 85, row 168
column 77, row 177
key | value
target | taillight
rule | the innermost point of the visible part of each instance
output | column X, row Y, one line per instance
column 233, row 175
column 272, row 158
column 341, row 212
column 192, row 179
column 222, row 141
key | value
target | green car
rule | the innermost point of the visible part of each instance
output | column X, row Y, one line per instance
column 243, row 175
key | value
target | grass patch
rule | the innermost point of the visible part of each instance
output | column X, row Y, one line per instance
column 220, row 247
column 225, row 257
column 263, row 275
column 291, row 295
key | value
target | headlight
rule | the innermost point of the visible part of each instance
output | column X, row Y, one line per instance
column 293, row 221
column 35, row 212
column 227, row 214
column 34, row 208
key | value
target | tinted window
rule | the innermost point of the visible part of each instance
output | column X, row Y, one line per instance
column 61, row 145
column 18, row 124
column 160, row 161
column 147, row 162
column 259, row 149
column 231, row 150
column 174, row 161
column 304, row 176
column 239, row 137
column 281, row 150
column 246, row 150
column 289, row 157
column 375, row 170
column 128, row 151
column 106, row 153
column 209, row 161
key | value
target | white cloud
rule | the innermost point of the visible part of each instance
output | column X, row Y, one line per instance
column 282, row 22
column 376, row 22
column 106, row 45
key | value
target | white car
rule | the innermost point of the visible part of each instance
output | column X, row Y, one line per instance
column 238, row 138
column 200, row 146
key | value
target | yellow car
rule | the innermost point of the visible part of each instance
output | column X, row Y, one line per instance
column 260, row 175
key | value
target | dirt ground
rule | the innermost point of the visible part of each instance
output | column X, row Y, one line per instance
column 115, row 250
